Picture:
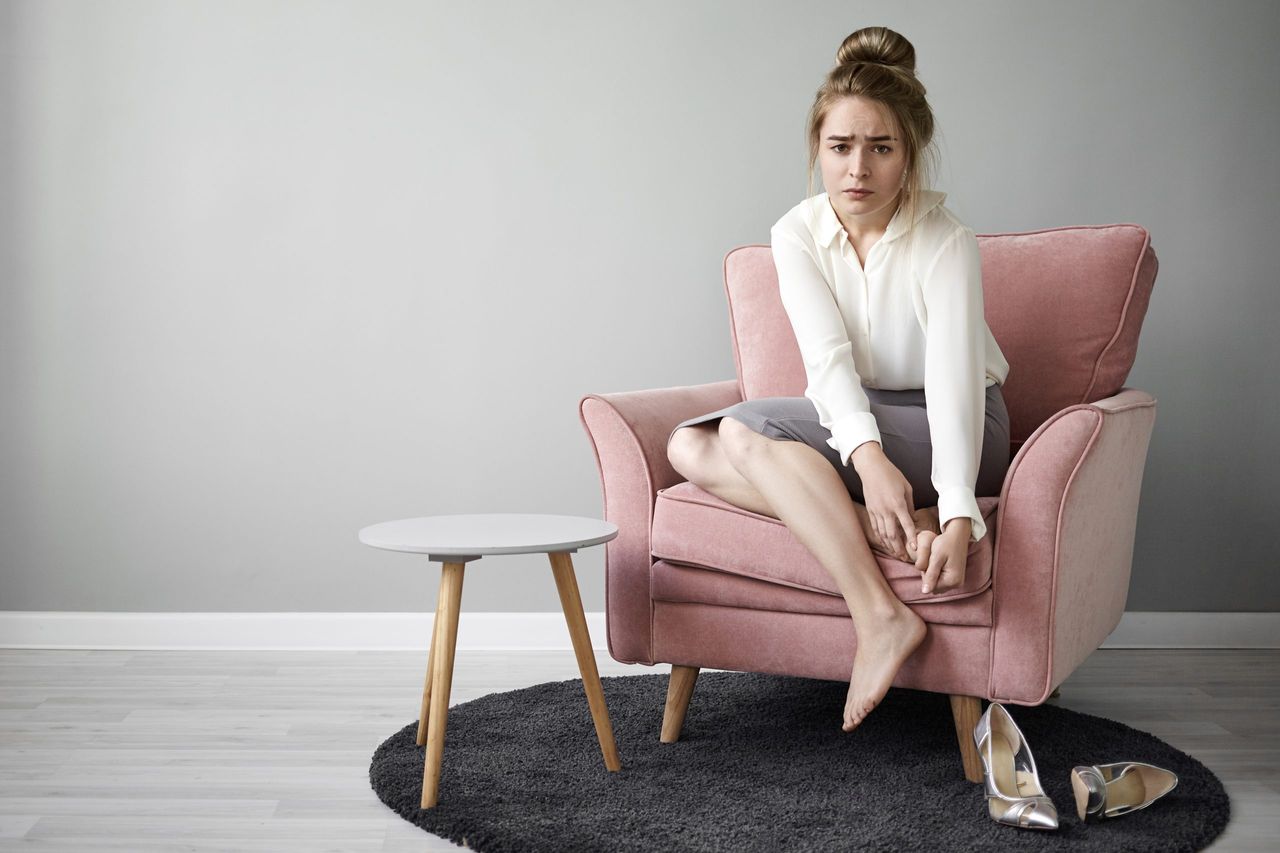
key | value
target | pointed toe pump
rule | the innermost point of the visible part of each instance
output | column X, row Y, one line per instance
column 1110, row 790
column 1014, row 794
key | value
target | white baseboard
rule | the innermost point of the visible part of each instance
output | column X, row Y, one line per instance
column 21, row 629
column 1194, row 630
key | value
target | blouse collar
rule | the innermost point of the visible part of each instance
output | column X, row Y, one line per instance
column 828, row 226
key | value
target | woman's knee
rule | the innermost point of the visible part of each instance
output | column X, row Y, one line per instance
column 737, row 439
column 687, row 447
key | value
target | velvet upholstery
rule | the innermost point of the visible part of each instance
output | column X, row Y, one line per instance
column 693, row 580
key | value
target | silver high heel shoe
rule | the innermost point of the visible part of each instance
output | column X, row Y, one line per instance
column 1014, row 794
column 1110, row 790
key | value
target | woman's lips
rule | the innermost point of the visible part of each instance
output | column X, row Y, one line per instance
column 856, row 194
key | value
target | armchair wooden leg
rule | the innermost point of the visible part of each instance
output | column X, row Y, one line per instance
column 965, row 711
column 679, row 692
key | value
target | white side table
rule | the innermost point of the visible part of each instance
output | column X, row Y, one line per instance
column 457, row 539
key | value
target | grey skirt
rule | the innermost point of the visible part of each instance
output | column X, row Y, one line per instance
column 904, row 436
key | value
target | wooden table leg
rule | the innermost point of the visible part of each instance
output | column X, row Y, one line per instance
column 423, row 711
column 446, row 639
column 571, row 604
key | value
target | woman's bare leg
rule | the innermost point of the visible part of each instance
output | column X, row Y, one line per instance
column 696, row 453
column 700, row 458
column 805, row 492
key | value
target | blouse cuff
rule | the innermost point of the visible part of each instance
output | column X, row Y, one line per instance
column 851, row 431
column 959, row 502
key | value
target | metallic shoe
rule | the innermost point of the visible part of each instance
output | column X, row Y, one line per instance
column 1014, row 794
column 1110, row 790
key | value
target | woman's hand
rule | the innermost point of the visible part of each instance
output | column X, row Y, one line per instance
column 947, row 558
column 888, row 498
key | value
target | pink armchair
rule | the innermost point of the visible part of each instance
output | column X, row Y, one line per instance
column 696, row 582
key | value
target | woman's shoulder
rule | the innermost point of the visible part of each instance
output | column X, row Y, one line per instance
column 938, row 226
column 937, row 218
column 811, row 222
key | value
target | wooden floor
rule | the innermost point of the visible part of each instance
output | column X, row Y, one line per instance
column 144, row 750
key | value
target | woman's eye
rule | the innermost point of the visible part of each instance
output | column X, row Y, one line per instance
column 886, row 148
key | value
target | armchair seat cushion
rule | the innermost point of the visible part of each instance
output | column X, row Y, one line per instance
column 710, row 551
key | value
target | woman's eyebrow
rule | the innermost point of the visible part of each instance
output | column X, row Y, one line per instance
column 869, row 138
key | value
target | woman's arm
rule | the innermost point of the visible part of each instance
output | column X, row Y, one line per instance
column 834, row 385
column 955, row 375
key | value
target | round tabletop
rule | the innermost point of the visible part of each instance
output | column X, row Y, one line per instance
column 451, row 537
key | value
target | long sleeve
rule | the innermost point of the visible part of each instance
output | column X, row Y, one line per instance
column 955, row 374
column 834, row 386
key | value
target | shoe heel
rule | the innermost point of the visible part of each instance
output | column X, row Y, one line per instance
column 1014, row 794
column 1090, row 793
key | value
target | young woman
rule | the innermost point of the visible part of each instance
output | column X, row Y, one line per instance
column 903, row 422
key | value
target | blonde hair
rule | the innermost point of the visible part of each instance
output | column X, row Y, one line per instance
column 880, row 64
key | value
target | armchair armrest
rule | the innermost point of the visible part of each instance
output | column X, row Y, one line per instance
column 1064, row 542
column 628, row 432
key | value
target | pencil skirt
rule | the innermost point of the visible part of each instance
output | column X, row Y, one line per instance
column 902, row 419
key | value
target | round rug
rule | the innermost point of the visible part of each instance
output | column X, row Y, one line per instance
column 762, row 764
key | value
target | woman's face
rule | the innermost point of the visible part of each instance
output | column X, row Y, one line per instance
column 867, row 156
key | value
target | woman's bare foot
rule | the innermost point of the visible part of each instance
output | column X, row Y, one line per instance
column 926, row 519
column 923, row 547
column 883, row 646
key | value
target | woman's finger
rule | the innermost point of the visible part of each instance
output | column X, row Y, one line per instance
column 890, row 537
column 891, row 529
column 936, row 561
column 908, row 524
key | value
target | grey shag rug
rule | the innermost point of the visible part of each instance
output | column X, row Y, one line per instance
column 762, row 765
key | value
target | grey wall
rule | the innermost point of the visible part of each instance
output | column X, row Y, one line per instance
column 274, row 271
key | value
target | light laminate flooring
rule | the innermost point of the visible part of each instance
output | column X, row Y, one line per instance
column 269, row 751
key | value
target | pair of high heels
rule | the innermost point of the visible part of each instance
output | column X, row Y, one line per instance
column 1015, row 796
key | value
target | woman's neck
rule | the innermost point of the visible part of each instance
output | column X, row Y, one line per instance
column 863, row 230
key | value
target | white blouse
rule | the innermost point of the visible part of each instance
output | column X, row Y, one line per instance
column 921, row 292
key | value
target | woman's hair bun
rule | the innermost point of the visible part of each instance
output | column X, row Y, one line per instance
column 880, row 45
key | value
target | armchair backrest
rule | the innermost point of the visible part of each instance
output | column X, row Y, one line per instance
column 1065, row 305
